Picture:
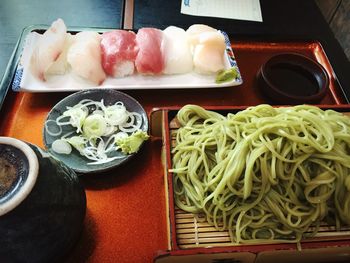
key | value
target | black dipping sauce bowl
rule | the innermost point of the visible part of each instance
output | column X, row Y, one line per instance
column 291, row 78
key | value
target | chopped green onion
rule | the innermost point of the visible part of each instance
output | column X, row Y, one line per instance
column 94, row 125
column 98, row 128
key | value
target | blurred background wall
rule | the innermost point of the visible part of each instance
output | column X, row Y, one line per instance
column 337, row 14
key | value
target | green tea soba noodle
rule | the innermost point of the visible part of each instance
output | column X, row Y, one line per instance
column 264, row 173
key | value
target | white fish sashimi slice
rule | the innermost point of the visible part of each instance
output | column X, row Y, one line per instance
column 177, row 52
column 48, row 49
column 84, row 57
column 88, row 36
column 61, row 66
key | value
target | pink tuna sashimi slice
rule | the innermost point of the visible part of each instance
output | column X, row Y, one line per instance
column 119, row 52
column 150, row 59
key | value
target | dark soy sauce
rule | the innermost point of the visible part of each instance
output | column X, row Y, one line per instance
column 14, row 167
column 293, row 80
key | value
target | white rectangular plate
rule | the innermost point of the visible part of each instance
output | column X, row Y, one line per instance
column 25, row 81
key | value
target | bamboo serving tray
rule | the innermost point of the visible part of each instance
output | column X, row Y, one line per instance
column 186, row 232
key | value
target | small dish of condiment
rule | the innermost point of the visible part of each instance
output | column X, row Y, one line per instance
column 291, row 78
column 95, row 130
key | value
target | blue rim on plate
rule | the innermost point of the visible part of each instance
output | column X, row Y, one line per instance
column 74, row 160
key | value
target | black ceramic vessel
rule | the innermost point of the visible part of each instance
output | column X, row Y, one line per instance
column 42, row 204
column 291, row 78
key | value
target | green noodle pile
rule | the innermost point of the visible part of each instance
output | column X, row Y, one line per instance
column 264, row 174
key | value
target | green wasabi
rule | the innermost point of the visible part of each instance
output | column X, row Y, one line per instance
column 226, row 75
column 132, row 143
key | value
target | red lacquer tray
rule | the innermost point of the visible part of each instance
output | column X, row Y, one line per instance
column 126, row 218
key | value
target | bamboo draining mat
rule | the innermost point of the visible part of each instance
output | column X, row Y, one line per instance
column 192, row 233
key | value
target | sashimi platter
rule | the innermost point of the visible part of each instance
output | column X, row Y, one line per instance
column 57, row 60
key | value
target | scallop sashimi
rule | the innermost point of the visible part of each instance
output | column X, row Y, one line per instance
column 150, row 59
column 208, row 47
column 48, row 48
column 119, row 52
column 207, row 59
column 177, row 52
column 194, row 31
column 84, row 56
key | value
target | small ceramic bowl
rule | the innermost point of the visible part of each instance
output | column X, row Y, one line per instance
column 291, row 78
column 42, row 204
column 74, row 160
